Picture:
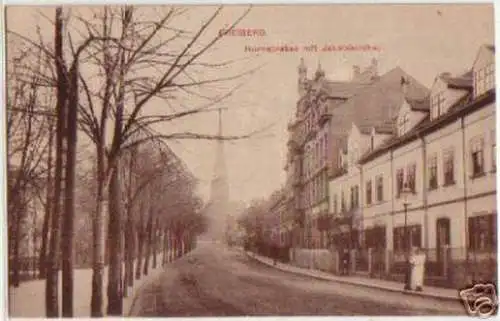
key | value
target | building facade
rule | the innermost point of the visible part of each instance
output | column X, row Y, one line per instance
column 317, row 135
column 443, row 151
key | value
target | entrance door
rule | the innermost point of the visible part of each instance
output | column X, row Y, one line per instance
column 442, row 237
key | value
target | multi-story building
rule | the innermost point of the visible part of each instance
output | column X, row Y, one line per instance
column 324, row 113
column 443, row 151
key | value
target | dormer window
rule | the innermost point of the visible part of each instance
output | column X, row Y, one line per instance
column 403, row 124
column 437, row 105
column 484, row 79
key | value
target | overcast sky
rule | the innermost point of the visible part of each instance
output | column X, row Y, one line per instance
column 421, row 39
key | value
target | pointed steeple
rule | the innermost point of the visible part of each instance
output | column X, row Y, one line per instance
column 219, row 192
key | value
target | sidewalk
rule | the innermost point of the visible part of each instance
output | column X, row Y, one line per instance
column 428, row 291
column 28, row 300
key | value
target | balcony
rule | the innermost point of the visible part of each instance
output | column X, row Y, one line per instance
column 324, row 114
column 300, row 218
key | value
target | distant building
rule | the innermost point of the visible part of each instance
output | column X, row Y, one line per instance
column 324, row 114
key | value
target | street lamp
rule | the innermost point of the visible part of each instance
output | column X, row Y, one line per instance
column 404, row 193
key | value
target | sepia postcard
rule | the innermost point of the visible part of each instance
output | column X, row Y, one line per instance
column 250, row 160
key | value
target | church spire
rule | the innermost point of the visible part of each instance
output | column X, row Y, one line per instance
column 219, row 187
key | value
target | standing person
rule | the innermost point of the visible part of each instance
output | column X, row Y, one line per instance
column 417, row 261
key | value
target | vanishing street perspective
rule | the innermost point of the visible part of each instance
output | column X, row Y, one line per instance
column 194, row 161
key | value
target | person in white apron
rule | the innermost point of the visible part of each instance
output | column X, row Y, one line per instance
column 417, row 261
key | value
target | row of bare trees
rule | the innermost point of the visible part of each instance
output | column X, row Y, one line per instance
column 104, row 74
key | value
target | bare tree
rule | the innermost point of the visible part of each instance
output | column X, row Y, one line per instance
column 123, row 50
column 26, row 150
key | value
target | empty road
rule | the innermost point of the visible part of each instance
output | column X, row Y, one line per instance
column 214, row 280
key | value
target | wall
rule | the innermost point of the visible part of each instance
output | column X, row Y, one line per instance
column 320, row 259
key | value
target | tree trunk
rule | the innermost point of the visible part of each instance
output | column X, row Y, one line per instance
column 115, row 249
column 69, row 206
column 99, row 242
column 140, row 249
column 130, row 262
column 51, row 290
column 172, row 247
column 15, row 249
column 149, row 235
column 176, row 246
column 42, row 262
column 126, row 256
column 155, row 243
column 165, row 247
column 129, row 252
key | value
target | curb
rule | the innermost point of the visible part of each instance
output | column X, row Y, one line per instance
column 138, row 290
column 135, row 292
column 150, row 277
column 373, row 286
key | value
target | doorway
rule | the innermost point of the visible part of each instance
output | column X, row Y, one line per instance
column 442, row 239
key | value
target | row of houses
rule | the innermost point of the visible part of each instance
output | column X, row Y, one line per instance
column 381, row 162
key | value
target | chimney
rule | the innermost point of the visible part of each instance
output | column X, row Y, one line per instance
column 355, row 72
column 404, row 86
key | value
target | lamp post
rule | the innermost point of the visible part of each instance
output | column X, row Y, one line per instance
column 405, row 192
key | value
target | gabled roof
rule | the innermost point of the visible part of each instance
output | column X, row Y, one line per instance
column 340, row 89
column 461, row 82
column 422, row 104
column 488, row 47
column 379, row 103
column 463, row 106
column 385, row 128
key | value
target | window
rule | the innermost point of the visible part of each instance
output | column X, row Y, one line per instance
column 380, row 188
column 437, row 105
column 489, row 77
column 325, row 142
column 482, row 233
column 493, row 152
column 414, row 237
column 372, row 142
column 410, row 177
column 432, row 163
column 335, row 205
column 320, row 152
column 403, row 124
column 399, row 181
column 369, row 192
column 342, row 202
column 354, row 197
column 318, row 156
column 448, row 166
column 484, row 79
column 479, row 88
column 375, row 237
column 477, row 156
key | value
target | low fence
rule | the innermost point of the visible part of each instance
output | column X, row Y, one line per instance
column 280, row 253
column 449, row 267
column 27, row 267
